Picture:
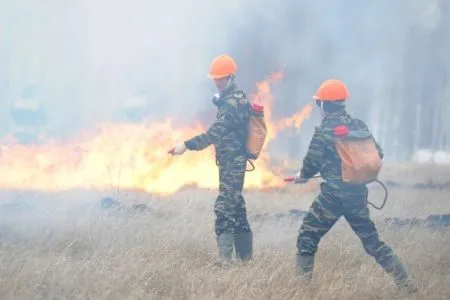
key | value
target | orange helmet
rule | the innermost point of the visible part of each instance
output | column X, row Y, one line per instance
column 332, row 90
column 222, row 66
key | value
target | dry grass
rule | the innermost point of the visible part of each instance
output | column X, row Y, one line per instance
column 67, row 248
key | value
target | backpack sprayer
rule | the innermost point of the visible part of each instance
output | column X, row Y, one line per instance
column 292, row 179
column 360, row 160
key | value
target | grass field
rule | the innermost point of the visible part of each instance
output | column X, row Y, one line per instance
column 63, row 246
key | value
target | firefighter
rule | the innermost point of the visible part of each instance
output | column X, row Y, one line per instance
column 29, row 118
column 228, row 134
column 338, row 198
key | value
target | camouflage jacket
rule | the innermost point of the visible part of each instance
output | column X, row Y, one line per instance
column 322, row 156
column 229, row 131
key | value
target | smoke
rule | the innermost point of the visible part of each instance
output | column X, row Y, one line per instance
column 88, row 57
column 390, row 54
column 164, row 47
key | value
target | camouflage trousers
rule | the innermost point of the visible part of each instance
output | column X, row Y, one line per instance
column 325, row 211
column 230, row 208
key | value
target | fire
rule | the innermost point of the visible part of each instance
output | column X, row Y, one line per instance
column 264, row 96
column 295, row 120
column 132, row 156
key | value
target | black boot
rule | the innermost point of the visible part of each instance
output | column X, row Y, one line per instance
column 401, row 278
column 225, row 246
column 243, row 244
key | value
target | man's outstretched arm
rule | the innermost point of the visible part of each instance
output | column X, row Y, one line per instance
column 226, row 119
column 314, row 157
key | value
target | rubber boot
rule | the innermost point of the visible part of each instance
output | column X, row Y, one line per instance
column 243, row 244
column 305, row 267
column 401, row 278
column 225, row 245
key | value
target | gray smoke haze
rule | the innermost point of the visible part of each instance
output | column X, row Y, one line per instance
column 88, row 56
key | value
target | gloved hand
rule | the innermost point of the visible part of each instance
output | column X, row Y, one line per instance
column 178, row 149
column 298, row 179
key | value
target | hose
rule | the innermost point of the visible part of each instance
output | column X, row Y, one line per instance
column 251, row 164
column 386, row 193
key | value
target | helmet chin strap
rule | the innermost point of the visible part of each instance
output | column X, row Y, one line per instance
column 229, row 83
column 322, row 113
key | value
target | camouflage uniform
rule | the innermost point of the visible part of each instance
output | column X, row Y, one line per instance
column 229, row 135
column 338, row 199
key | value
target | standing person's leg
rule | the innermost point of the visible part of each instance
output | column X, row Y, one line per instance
column 225, row 219
column 357, row 215
column 322, row 215
column 243, row 236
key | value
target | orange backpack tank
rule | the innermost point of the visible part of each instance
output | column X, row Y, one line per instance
column 257, row 131
column 360, row 161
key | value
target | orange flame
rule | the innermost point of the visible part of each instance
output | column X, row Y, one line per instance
column 264, row 96
column 295, row 120
column 132, row 156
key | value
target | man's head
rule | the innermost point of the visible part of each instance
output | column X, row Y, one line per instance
column 222, row 70
column 331, row 96
column 223, row 83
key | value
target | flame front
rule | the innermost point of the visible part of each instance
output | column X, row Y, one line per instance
column 132, row 156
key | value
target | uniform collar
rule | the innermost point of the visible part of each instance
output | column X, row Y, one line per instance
column 336, row 115
column 224, row 94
